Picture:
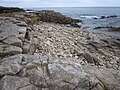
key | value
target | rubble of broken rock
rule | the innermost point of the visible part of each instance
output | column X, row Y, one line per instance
column 37, row 55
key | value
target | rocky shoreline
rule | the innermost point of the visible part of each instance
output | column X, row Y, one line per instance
column 109, row 28
column 37, row 55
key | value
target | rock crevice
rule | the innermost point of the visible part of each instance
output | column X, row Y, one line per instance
column 37, row 55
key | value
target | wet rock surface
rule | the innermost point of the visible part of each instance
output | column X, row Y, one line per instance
column 109, row 28
column 105, row 17
column 36, row 55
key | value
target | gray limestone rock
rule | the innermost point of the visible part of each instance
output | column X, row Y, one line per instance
column 50, row 56
column 45, row 73
column 9, row 69
column 14, row 83
column 25, row 48
column 21, row 33
column 22, row 24
column 13, row 40
column 90, row 58
column 10, row 50
column 107, row 77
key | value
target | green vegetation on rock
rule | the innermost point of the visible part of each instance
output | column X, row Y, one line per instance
column 10, row 9
column 56, row 17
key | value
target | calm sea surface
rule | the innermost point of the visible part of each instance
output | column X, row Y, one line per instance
column 87, row 14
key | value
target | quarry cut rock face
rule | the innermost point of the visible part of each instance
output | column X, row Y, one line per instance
column 36, row 55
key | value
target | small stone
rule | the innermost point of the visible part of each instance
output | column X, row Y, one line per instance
column 48, row 42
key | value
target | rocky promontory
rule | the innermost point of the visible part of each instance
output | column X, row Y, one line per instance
column 36, row 54
column 56, row 17
column 10, row 9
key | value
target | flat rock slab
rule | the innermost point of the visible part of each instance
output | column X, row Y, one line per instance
column 106, row 76
column 36, row 73
column 13, row 40
column 9, row 50
column 22, row 24
column 11, row 36
column 14, row 83
column 9, row 28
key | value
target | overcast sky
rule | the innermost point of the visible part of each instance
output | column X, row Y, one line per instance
column 60, row 3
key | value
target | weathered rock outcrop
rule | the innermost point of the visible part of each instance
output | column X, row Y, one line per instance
column 114, row 29
column 11, row 36
column 56, row 17
column 47, row 56
column 32, row 18
column 105, row 76
column 111, row 16
column 37, row 72
column 10, row 9
column 109, row 28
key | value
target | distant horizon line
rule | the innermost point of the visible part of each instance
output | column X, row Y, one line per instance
column 62, row 6
column 71, row 6
column 66, row 7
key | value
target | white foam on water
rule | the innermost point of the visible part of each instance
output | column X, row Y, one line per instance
column 89, row 17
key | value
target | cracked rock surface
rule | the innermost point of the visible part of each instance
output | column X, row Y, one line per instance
column 49, row 56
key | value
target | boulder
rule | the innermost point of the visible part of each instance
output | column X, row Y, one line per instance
column 107, row 77
column 91, row 58
column 102, row 17
column 95, row 18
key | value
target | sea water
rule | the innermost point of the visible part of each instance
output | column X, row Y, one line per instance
column 88, row 15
